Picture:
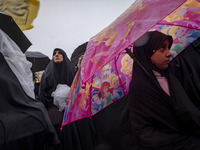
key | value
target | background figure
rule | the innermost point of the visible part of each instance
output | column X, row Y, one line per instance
column 186, row 68
column 36, row 82
column 161, row 114
column 59, row 71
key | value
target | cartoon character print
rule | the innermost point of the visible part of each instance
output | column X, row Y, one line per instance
column 117, row 91
column 98, row 103
column 127, row 65
column 96, row 80
column 106, row 92
column 105, row 72
column 83, row 96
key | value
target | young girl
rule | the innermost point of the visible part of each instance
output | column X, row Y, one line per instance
column 162, row 116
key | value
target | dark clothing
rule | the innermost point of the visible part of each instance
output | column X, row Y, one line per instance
column 54, row 74
column 108, row 129
column 186, row 68
column 24, row 122
column 36, row 89
column 160, row 121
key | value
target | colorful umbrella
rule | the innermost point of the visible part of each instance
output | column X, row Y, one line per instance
column 106, row 69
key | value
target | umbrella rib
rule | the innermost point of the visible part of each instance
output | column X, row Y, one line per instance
column 171, row 24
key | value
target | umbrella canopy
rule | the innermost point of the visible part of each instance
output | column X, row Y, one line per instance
column 8, row 25
column 39, row 60
column 105, row 51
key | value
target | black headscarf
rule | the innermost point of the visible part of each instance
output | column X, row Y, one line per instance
column 54, row 74
column 160, row 121
column 146, row 45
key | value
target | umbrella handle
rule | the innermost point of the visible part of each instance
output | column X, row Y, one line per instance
column 128, row 51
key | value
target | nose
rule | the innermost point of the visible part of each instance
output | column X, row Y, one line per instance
column 168, row 54
column 56, row 54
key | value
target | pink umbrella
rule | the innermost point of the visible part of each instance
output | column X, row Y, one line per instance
column 102, row 78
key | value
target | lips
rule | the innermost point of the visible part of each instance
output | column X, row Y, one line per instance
column 167, row 61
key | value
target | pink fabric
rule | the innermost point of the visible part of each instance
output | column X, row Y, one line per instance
column 141, row 16
column 106, row 46
column 162, row 81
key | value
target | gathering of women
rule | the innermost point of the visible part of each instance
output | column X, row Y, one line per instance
column 133, row 86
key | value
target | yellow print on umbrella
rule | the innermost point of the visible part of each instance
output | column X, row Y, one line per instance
column 110, row 33
column 179, row 13
column 84, row 95
column 23, row 12
column 127, row 64
column 99, row 54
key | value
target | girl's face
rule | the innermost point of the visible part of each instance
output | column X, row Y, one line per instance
column 105, row 89
column 161, row 56
column 116, row 84
column 95, row 98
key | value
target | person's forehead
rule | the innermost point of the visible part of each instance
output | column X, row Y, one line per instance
column 166, row 41
column 57, row 50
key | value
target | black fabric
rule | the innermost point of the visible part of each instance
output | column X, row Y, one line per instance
column 160, row 121
column 8, row 25
column 186, row 68
column 31, row 142
column 54, row 74
column 24, row 122
column 36, row 90
column 109, row 129
column 80, row 50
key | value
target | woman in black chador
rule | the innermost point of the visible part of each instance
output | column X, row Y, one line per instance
column 60, row 70
column 24, row 121
column 162, row 116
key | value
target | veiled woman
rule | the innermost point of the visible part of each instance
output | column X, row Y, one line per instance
column 162, row 116
column 24, row 121
column 60, row 70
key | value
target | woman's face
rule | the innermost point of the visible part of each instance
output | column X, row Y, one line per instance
column 57, row 57
column 161, row 56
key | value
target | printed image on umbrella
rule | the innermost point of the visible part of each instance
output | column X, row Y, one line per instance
column 8, row 25
column 106, row 68
column 22, row 12
column 39, row 60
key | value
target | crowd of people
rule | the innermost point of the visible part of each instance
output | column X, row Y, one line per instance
column 161, row 114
